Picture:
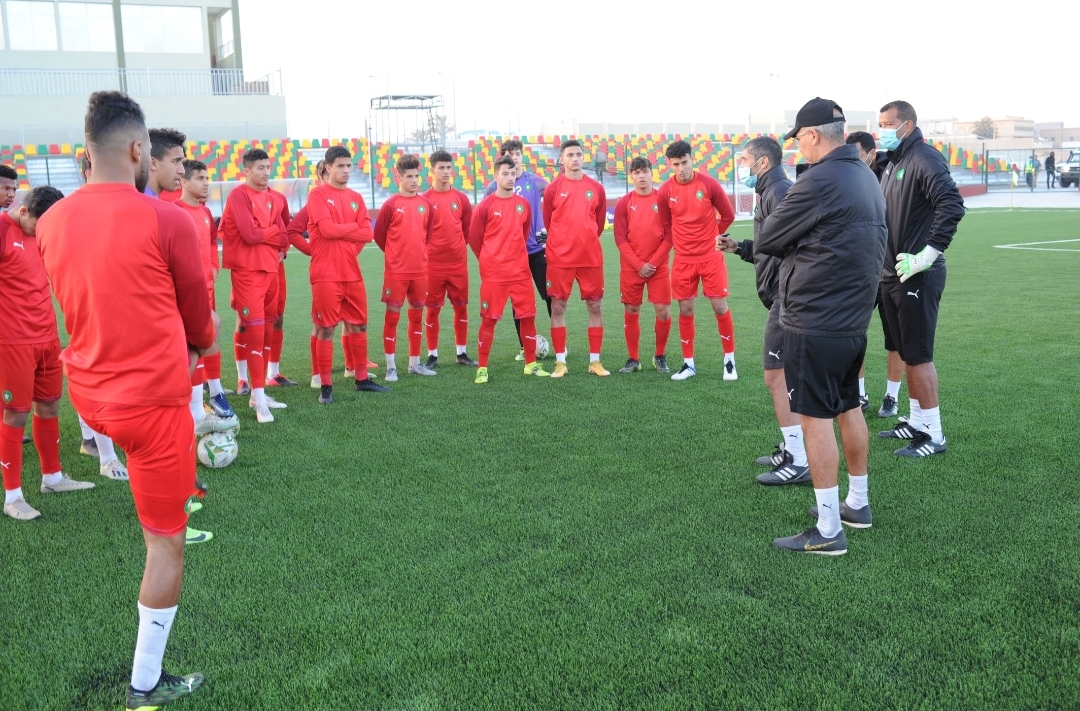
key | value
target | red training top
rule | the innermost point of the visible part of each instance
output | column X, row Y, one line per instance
column 338, row 227
column 639, row 235
column 207, row 231
column 170, row 195
column 451, row 215
column 252, row 230
column 402, row 231
column 688, row 213
column 498, row 233
column 127, row 273
column 575, row 212
column 296, row 229
column 26, row 310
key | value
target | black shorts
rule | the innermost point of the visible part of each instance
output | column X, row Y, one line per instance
column 889, row 345
column 773, row 352
column 911, row 313
column 822, row 373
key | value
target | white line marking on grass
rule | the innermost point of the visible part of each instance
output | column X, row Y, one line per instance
column 1031, row 246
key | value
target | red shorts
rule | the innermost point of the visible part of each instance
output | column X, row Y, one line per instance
column 282, row 289
column 30, row 373
column 712, row 275
column 493, row 299
column 336, row 301
column 590, row 280
column 397, row 291
column 254, row 296
column 448, row 284
column 160, row 446
column 633, row 287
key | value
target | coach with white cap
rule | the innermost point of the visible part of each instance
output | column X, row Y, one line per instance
column 830, row 233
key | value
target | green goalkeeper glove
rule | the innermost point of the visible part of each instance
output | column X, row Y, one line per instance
column 908, row 265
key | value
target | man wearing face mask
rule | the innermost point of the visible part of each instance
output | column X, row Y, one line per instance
column 923, row 208
column 761, row 168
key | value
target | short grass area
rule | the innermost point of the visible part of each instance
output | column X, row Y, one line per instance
column 599, row 543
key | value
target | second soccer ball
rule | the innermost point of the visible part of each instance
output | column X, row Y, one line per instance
column 543, row 347
column 217, row 450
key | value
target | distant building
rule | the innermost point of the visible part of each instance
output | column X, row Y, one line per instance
column 1008, row 127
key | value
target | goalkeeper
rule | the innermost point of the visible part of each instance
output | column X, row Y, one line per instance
column 922, row 210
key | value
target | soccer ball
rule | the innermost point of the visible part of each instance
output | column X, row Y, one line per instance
column 543, row 348
column 217, row 450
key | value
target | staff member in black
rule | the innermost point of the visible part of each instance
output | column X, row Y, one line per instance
column 923, row 208
column 830, row 232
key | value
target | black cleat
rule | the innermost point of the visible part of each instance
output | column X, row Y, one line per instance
column 370, row 386
column 432, row 362
column 811, row 541
column 631, row 366
column 660, row 362
column 778, row 457
column 88, row 446
column 888, row 407
column 785, row 473
column 856, row 518
column 922, row 445
column 326, row 394
column 464, row 359
column 169, row 688
column 28, row 440
column 902, row 430
column 864, row 403
column 280, row 380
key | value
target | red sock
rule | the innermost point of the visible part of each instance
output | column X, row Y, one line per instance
column 389, row 332
column 432, row 324
column 256, row 336
column 197, row 376
column 314, row 356
column 528, row 338
column 632, row 331
column 325, row 353
column 596, row 339
column 416, row 331
column 277, row 337
column 358, row 354
column 727, row 332
column 212, row 371
column 461, row 326
column 558, row 338
column 47, row 442
column 11, row 454
column 663, row 329
column 484, row 339
column 686, row 335
column 240, row 346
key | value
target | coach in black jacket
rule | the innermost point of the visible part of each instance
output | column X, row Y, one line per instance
column 830, row 232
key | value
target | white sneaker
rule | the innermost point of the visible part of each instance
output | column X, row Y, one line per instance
column 114, row 470
column 684, row 372
column 391, row 375
column 21, row 511
column 316, row 382
column 263, row 415
column 729, row 370
column 215, row 423
column 65, row 484
column 350, row 374
column 421, row 369
column 270, row 403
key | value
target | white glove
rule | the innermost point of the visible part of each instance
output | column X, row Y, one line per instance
column 908, row 265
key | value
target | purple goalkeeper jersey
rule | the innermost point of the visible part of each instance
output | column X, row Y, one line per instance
column 531, row 187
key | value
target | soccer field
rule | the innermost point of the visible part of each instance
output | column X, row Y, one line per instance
column 599, row 543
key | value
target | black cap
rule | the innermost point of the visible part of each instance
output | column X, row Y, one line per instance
column 816, row 112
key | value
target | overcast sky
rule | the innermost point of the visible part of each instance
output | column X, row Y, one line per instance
column 519, row 65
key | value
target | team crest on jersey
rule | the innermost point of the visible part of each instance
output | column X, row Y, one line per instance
column 420, row 209
column 699, row 194
column 206, row 220
column 519, row 208
column 654, row 208
column 484, row 305
column 354, row 206
column 245, row 311
column 548, row 283
column 269, row 205
column 388, row 292
column 7, row 397
column 588, row 194
column 900, row 174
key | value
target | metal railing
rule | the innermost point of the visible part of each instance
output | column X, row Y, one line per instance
column 137, row 82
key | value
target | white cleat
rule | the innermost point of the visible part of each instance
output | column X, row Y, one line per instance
column 391, row 375
column 215, row 423
column 421, row 369
column 316, row 382
column 684, row 372
column 114, row 470
column 65, row 484
column 21, row 511
column 263, row 415
column 729, row 370
column 350, row 374
column 270, row 403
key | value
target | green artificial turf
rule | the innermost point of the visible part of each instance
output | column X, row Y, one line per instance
column 598, row 543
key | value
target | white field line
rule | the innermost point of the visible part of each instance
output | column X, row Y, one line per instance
column 1031, row 246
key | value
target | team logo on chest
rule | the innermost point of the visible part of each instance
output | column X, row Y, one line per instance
column 700, row 194
column 453, row 206
column 269, row 205
column 354, row 206
column 207, row 221
column 654, row 208
column 7, row 397
column 519, row 208
column 900, row 174
column 245, row 311
column 588, row 194
column 420, row 209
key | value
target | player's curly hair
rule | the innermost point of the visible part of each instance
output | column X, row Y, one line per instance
column 6, row 171
column 40, row 199
column 254, row 155
column 678, row 149
column 163, row 140
column 407, row 162
column 191, row 167
column 504, row 159
column 335, row 152
column 511, row 144
column 109, row 113
column 440, row 157
column 640, row 163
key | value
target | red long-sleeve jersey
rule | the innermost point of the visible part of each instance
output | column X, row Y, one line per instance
column 639, row 234
column 338, row 227
column 205, row 228
column 688, row 212
column 26, row 310
column 451, row 215
column 298, row 226
column 575, row 212
column 498, row 235
column 402, row 231
column 252, row 229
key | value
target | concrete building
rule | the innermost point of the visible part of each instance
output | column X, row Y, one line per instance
column 182, row 60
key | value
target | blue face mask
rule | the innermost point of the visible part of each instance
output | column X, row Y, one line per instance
column 889, row 140
column 744, row 176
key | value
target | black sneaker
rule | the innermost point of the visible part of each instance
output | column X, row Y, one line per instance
column 785, row 473
column 370, row 386
column 464, row 359
column 888, row 407
column 922, row 445
column 326, row 394
column 631, row 366
column 811, row 541
column 660, row 362
column 169, row 688
column 864, row 403
column 432, row 362
column 856, row 518
column 775, row 459
column 902, row 430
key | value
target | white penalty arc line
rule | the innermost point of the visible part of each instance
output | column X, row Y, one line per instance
column 1030, row 246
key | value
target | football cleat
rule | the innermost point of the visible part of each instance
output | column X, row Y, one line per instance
column 785, row 473
column 21, row 511
column 114, row 470
column 660, row 363
column 65, row 484
column 168, row 688
column 560, row 370
column 597, row 368
column 372, row 365
column 220, row 406
column 350, row 373
column 212, row 423
column 88, row 447
column 263, row 415
column 432, row 362
column 856, row 518
column 888, row 407
column 521, row 355
column 28, row 440
column 729, row 370
column 326, row 394
column 195, row 536
column 201, row 488
column 864, row 403
column 280, row 381
column 192, row 506
column 242, row 388
column 270, row 403
column 391, row 375
column 481, row 376
column 684, row 372
column 631, row 366
column 921, row 445
column 464, row 359
column 536, row 369
column 370, row 386
column 811, row 541
column 421, row 369
column 774, row 459
column 902, row 430
column 316, row 382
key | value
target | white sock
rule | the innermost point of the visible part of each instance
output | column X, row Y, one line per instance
column 87, row 433
column 931, row 422
column 594, row 357
column 241, row 370
column 12, row 495
column 793, row 442
column 53, row 478
column 106, row 453
column 390, row 363
column 272, row 370
column 460, row 349
column 915, row 420
column 828, row 511
column 892, row 388
column 689, row 362
column 215, row 387
column 857, row 494
column 862, row 387
column 433, row 352
column 154, row 627
column 198, row 414
column 560, row 357
column 414, row 361
column 259, row 396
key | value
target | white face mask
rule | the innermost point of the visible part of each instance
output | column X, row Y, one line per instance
column 870, row 159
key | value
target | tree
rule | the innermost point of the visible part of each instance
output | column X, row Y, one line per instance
column 984, row 127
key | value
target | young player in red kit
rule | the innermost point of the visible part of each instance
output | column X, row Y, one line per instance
column 253, row 239
column 402, row 231
column 30, row 371
column 133, row 384
column 448, row 267
column 501, row 226
column 167, row 154
column 688, row 204
column 575, row 212
column 339, row 227
column 275, row 332
column 643, row 253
